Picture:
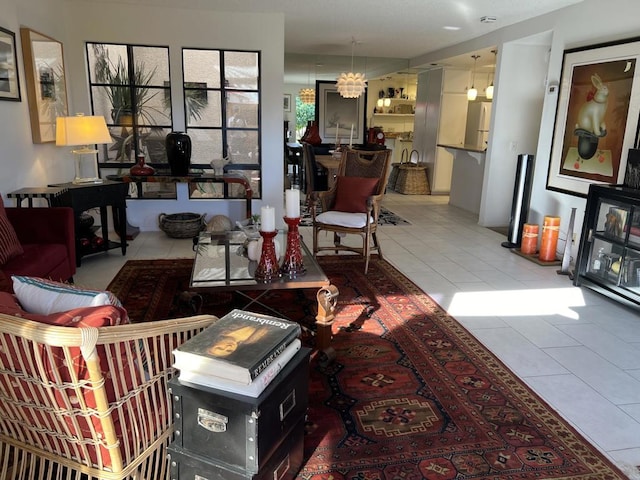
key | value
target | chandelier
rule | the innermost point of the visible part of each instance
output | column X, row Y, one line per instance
column 307, row 95
column 351, row 85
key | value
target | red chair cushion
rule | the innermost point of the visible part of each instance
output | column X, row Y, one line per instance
column 352, row 193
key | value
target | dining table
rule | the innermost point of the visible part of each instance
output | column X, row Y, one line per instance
column 332, row 164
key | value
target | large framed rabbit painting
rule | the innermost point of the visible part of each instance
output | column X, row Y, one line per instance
column 596, row 116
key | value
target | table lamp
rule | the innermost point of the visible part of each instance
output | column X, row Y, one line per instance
column 83, row 131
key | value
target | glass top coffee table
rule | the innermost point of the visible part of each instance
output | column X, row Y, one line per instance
column 221, row 264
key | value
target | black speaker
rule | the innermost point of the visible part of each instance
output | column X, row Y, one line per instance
column 521, row 198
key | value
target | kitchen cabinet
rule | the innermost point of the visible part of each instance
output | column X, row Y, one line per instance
column 608, row 258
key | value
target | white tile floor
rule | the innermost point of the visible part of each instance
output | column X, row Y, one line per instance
column 578, row 350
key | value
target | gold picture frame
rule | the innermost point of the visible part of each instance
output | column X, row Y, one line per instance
column 46, row 83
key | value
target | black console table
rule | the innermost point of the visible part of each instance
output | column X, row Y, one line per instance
column 226, row 179
column 83, row 197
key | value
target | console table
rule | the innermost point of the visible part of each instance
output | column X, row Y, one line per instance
column 85, row 196
column 226, row 179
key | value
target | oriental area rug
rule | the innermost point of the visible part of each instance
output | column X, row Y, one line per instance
column 411, row 394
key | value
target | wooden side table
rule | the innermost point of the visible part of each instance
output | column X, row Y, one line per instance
column 85, row 196
column 50, row 194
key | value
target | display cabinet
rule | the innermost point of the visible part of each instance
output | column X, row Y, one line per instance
column 609, row 254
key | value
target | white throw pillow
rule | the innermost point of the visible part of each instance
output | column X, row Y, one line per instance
column 37, row 295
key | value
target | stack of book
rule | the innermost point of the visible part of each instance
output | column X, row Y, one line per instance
column 241, row 353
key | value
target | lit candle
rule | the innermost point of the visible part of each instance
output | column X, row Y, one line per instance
column 549, row 241
column 267, row 219
column 351, row 136
column 292, row 203
column 337, row 127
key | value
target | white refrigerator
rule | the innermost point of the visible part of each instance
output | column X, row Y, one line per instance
column 478, row 120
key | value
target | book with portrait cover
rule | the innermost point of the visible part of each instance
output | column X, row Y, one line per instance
column 238, row 347
column 255, row 388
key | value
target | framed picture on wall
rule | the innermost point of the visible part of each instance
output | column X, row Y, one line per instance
column 9, row 79
column 46, row 84
column 596, row 117
column 287, row 102
column 338, row 117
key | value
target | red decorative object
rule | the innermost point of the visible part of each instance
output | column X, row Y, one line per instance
column 141, row 168
column 292, row 265
column 312, row 134
column 268, row 266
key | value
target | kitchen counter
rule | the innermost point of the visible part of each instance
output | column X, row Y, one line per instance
column 467, row 176
column 473, row 150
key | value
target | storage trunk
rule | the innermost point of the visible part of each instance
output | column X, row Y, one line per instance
column 283, row 464
column 236, row 430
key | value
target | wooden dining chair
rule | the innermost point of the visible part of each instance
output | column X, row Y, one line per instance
column 352, row 205
column 316, row 177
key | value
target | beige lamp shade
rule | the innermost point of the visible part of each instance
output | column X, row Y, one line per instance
column 81, row 130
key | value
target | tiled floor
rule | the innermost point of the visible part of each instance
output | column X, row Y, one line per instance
column 578, row 350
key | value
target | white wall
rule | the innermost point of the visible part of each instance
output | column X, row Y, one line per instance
column 23, row 163
column 74, row 22
column 583, row 24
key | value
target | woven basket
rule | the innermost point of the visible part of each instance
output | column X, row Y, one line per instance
column 412, row 176
column 395, row 169
column 181, row 225
column 412, row 179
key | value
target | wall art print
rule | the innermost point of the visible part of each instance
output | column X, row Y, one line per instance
column 336, row 115
column 596, row 117
column 9, row 78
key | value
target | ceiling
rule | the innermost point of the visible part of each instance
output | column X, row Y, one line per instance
column 322, row 35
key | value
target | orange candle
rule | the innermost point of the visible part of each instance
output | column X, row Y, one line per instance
column 529, row 243
column 549, row 242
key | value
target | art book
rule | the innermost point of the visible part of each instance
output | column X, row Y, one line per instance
column 238, row 347
column 255, row 388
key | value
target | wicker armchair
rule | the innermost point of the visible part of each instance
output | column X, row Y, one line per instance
column 87, row 403
column 352, row 205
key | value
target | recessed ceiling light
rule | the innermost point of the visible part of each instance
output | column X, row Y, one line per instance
column 449, row 27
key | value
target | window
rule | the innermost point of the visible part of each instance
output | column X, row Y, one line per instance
column 129, row 86
column 222, row 104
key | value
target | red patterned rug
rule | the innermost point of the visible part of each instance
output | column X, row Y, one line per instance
column 411, row 395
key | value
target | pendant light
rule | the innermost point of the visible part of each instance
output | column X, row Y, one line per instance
column 351, row 85
column 490, row 87
column 472, row 93
column 307, row 95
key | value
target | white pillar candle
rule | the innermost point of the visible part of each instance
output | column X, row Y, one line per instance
column 267, row 219
column 351, row 136
column 292, row 203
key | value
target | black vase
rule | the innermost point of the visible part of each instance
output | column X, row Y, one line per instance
column 178, row 145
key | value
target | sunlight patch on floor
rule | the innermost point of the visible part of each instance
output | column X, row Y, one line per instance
column 543, row 301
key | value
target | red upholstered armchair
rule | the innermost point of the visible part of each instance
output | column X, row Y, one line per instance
column 47, row 238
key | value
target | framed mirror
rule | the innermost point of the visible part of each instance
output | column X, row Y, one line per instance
column 46, row 85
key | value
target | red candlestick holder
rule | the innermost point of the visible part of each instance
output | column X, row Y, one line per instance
column 292, row 265
column 267, row 269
